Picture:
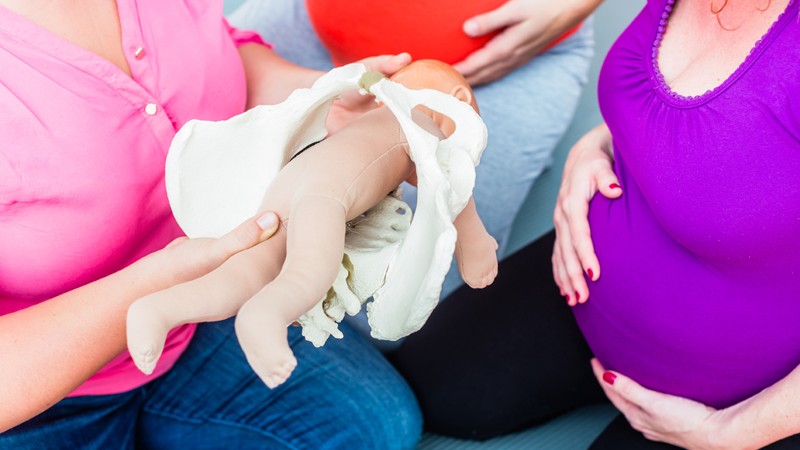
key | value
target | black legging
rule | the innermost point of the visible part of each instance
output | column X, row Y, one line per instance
column 509, row 356
column 502, row 358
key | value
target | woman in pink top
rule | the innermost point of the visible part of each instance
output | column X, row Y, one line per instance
column 91, row 95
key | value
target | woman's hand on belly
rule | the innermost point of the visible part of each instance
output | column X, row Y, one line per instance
column 661, row 417
column 587, row 171
column 762, row 419
column 528, row 26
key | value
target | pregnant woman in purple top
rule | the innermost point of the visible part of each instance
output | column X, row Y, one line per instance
column 697, row 235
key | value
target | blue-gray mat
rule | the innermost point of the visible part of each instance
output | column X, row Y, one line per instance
column 573, row 431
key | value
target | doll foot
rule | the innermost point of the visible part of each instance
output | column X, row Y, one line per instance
column 266, row 347
column 147, row 332
column 477, row 261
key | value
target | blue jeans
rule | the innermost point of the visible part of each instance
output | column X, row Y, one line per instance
column 344, row 395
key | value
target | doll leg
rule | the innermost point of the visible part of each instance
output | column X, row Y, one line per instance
column 476, row 249
column 315, row 245
column 212, row 297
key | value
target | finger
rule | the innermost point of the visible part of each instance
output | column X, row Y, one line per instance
column 573, row 269
column 556, row 264
column 561, row 268
column 500, row 56
column 476, row 62
column 246, row 235
column 488, row 74
column 387, row 64
column 630, row 410
column 622, row 404
column 597, row 368
column 269, row 223
column 498, row 18
column 623, row 386
column 608, row 184
column 581, row 236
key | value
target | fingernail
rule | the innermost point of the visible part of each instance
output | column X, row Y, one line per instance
column 267, row 221
column 609, row 378
column 590, row 273
column 614, row 186
column 577, row 296
column 471, row 28
column 567, row 298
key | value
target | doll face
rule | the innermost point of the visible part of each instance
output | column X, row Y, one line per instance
column 431, row 74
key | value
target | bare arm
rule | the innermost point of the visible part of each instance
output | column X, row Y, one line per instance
column 767, row 417
column 270, row 78
column 49, row 349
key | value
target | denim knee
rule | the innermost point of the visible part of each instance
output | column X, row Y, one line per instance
column 390, row 422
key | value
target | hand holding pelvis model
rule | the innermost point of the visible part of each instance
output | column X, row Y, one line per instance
column 344, row 238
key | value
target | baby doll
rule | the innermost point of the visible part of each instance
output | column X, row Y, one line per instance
column 319, row 190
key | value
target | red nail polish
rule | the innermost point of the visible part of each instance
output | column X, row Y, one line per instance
column 609, row 378
column 590, row 273
column 567, row 298
column 577, row 296
column 614, row 186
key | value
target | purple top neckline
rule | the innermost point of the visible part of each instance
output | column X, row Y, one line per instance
column 686, row 101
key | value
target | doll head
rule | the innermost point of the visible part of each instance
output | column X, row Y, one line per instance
column 432, row 74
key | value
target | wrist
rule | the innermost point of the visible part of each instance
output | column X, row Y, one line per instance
column 727, row 430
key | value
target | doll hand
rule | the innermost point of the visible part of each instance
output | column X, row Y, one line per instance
column 352, row 104
column 587, row 170
column 185, row 259
column 528, row 26
column 661, row 417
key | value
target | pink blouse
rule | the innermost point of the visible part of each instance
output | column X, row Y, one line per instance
column 82, row 150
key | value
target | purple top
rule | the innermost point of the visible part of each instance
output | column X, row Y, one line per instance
column 699, row 294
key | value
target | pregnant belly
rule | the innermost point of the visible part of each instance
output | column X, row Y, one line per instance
column 677, row 324
column 352, row 30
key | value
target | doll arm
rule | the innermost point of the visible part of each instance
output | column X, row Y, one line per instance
column 214, row 296
column 329, row 184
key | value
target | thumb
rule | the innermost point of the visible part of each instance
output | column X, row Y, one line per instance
column 608, row 184
column 493, row 20
column 248, row 234
column 387, row 64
